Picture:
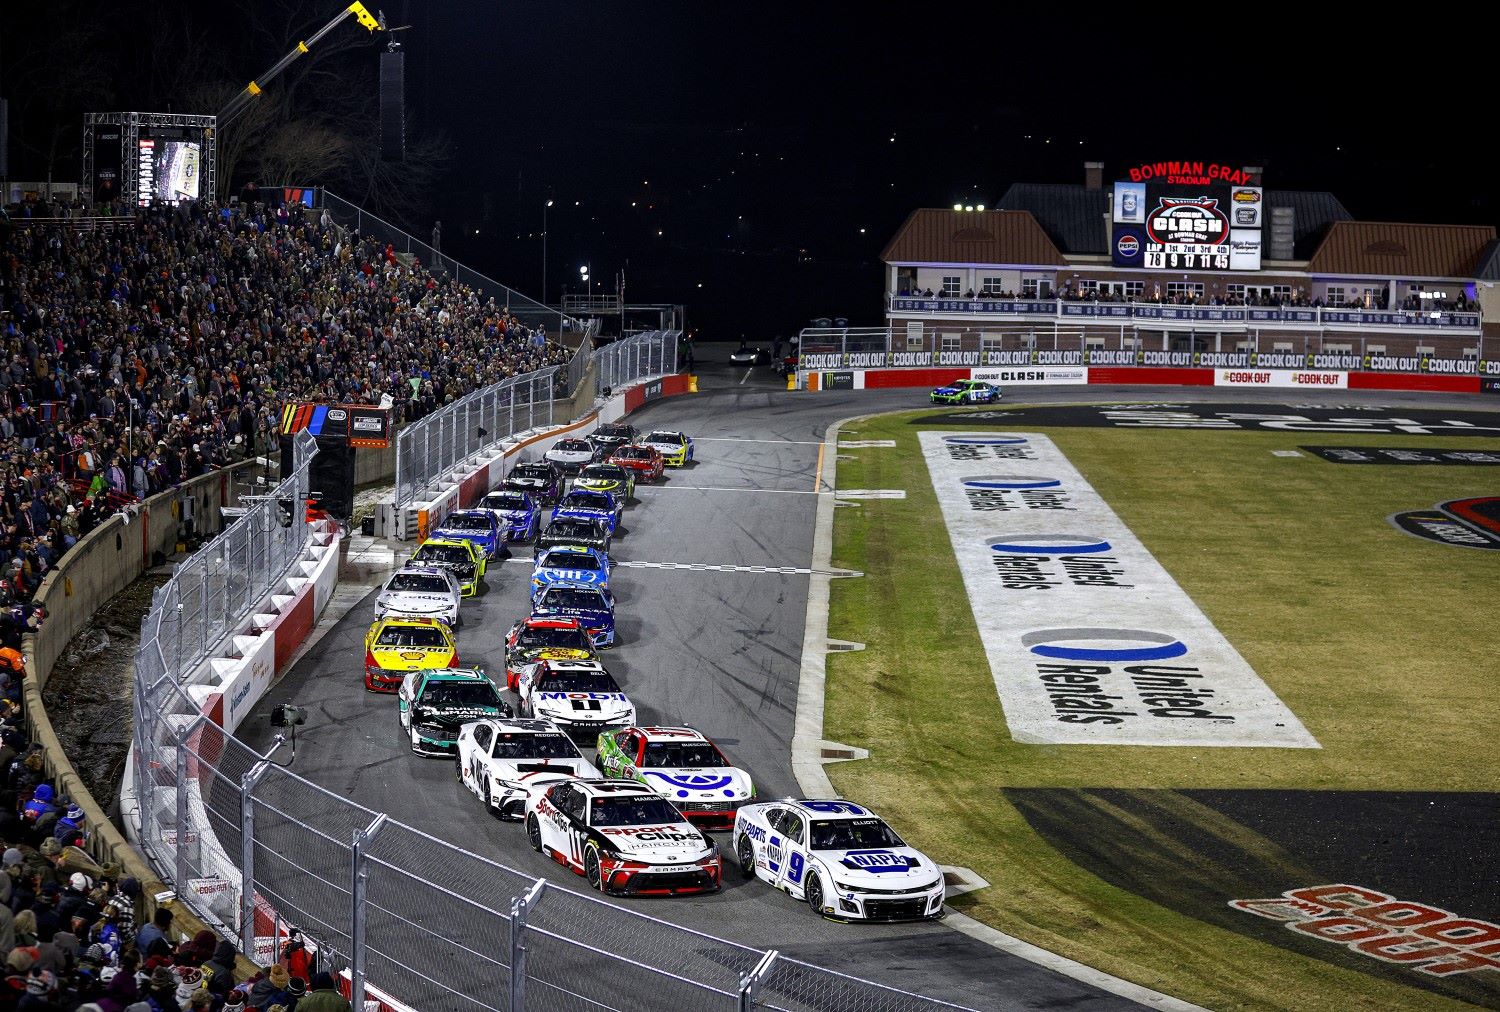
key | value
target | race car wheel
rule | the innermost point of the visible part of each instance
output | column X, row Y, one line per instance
column 815, row 893
column 591, row 870
column 534, row 833
column 745, row 850
column 458, row 766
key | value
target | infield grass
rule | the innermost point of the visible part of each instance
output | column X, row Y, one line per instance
column 1384, row 645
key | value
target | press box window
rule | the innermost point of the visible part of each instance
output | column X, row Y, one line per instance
column 952, row 287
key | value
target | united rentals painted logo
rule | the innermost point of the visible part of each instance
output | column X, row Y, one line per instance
column 1088, row 639
column 1190, row 220
column 1416, row 936
column 1461, row 523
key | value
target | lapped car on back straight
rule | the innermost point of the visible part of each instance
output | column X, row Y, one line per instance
column 967, row 391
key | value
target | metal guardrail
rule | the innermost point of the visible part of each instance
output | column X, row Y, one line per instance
column 896, row 347
column 433, row 446
column 651, row 353
column 251, row 846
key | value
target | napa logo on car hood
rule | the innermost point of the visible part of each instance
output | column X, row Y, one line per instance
column 880, row 862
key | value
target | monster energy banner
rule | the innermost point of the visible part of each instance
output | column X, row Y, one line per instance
column 1089, row 640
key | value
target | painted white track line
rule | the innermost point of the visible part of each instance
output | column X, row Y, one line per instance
column 807, row 754
column 746, row 439
column 722, row 488
column 695, row 567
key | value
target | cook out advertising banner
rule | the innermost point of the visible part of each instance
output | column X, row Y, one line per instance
column 1089, row 640
column 1281, row 378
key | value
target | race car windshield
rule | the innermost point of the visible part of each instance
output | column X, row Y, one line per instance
column 451, row 554
column 461, row 694
column 535, row 746
column 467, row 523
column 531, row 471
column 572, row 597
column 570, row 560
column 632, row 811
column 505, row 501
column 635, row 453
column 670, row 438
column 601, row 471
column 424, row 637
column 851, row 834
column 585, row 501
column 418, row 583
column 579, row 681
column 682, row 754
column 571, row 639
column 566, row 528
column 613, row 431
column 575, row 446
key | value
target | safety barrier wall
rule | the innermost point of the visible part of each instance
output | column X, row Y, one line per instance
column 1250, row 378
column 100, row 565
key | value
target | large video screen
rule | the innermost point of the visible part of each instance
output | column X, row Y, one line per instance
column 168, row 170
column 1192, row 226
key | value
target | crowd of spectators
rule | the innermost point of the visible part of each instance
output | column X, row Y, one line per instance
column 73, row 937
column 1295, row 299
column 134, row 358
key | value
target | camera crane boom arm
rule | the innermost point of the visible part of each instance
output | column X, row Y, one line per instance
column 242, row 99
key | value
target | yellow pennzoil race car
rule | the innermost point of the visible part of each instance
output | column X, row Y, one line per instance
column 394, row 646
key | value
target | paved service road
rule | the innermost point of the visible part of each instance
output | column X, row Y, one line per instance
column 718, row 649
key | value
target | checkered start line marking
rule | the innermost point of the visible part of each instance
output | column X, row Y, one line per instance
column 697, row 567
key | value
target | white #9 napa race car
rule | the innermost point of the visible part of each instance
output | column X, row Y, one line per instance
column 504, row 760
column 840, row 857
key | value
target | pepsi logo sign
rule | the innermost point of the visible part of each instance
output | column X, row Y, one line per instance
column 1128, row 246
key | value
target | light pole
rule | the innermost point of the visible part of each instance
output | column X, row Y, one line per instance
column 586, row 277
column 544, row 251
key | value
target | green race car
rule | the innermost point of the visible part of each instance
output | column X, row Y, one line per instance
column 967, row 391
column 611, row 478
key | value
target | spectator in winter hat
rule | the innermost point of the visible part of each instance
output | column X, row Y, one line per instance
column 40, row 803
column 69, row 828
column 270, row 989
column 324, row 997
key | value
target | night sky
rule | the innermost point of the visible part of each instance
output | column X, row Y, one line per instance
column 769, row 151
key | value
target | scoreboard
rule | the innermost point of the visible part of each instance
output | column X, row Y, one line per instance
column 1190, row 221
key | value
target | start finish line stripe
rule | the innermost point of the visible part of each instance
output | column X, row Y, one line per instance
column 696, row 567
column 1089, row 640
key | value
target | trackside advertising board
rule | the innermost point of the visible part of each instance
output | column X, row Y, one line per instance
column 1089, row 640
column 1281, row 378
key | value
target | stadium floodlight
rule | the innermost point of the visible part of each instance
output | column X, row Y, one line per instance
column 970, row 207
column 958, row 207
column 979, row 207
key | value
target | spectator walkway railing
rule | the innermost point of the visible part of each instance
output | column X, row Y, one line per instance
column 652, row 353
column 526, row 309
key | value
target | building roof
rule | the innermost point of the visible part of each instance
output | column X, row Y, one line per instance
column 1384, row 249
column 1489, row 262
column 933, row 235
column 1073, row 215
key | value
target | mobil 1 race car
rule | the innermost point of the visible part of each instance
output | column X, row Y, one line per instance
column 581, row 504
column 610, row 435
column 592, row 607
column 538, row 479
column 517, row 513
column 545, row 638
column 569, row 455
column 622, row 838
column 478, row 527
column 580, row 697
column 504, row 760
column 840, row 857
column 966, row 391
column 434, row 705
column 570, row 564
column 676, row 448
column 568, row 531
column 682, row 766
column 421, row 592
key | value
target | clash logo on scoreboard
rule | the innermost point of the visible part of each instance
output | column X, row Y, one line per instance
column 1195, row 220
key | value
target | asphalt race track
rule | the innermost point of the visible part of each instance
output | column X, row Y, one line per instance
column 717, row 649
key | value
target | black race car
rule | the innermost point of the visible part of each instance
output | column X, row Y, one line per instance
column 573, row 531
column 541, row 479
column 611, row 436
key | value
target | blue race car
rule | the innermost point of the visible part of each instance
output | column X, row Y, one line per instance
column 571, row 564
column 593, row 607
column 476, row 526
column 518, row 514
column 967, row 391
column 582, row 504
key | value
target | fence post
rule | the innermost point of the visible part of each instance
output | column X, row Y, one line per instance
column 247, row 857
column 180, row 870
column 362, row 839
column 519, row 908
column 750, row 983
